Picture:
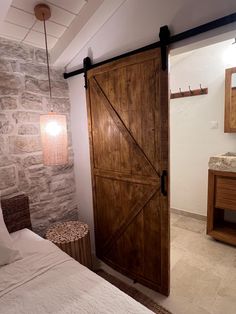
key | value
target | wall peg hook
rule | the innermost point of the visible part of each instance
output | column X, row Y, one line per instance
column 201, row 88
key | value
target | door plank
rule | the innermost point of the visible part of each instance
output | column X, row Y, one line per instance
column 119, row 123
column 140, row 204
column 128, row 178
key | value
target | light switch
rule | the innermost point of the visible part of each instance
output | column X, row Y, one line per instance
column 214, row 124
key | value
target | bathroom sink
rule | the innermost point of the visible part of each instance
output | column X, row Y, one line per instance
column 224, row 162
column 229, row 154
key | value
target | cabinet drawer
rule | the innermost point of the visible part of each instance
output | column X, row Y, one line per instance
column 225, row 193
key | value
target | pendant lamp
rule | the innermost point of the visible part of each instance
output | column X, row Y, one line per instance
column 53, row 126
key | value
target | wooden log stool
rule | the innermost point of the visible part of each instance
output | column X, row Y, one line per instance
column 73, row 238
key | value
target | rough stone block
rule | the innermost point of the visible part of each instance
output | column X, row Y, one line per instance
column 23, row 116
column 15, row 65
column 5, row 161
column 60, row 89
column 60, row 185
column 28, row 129
column 46, row 196
column 35, row 70
column 6, row 126
column 2, row 145
column 24, row 144
column 31, row 102
column 36, row 86
column 5, row 66
column 41, row 87
column 57, row 74
column 32, row 160
column 68, row 190
column 68, row 210
column 38, row 170
column 8, row 103
column 9, row 84
column 60, row 105
column 40, row 56
column 40, row 71
column 15, row 50
column 65, row 198
column 39, row 209
column 63, row 176
column 8, row 177
column 23, row 181
column 3, row 117
column 63, row 168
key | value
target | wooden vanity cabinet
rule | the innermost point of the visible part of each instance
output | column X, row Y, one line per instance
column 221, row 198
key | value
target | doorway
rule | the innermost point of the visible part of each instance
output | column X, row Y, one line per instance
column 201, row 268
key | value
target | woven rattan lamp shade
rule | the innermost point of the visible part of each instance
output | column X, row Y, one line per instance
column 54, row 140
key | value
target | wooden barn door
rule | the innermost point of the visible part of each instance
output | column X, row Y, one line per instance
column 128, row 123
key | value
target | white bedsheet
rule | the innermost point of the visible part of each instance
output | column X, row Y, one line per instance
column 47, row 280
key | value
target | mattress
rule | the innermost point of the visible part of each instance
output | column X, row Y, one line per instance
column 47, row 280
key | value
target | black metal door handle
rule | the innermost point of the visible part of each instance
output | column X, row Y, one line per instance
column 163, row 182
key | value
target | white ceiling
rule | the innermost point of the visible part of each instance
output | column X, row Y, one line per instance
column 20, row 23
column 72, row 24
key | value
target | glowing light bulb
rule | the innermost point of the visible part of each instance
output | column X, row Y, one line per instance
column 229, row 56
column 54, row 140
column 53, row 128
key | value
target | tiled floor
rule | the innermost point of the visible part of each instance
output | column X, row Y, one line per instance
column 203, row 271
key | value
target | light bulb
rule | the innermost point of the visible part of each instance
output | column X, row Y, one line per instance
column 54, row 140
column 52, row 128
column 229, row 56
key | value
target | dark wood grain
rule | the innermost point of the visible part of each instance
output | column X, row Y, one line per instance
column 225, row 193
column 128, row 125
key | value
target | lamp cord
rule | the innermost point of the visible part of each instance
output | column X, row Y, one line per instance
column 46, row 44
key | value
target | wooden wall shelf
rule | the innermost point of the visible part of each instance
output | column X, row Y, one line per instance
column 189, row 93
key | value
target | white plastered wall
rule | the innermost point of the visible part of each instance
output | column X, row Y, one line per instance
column 197, row 124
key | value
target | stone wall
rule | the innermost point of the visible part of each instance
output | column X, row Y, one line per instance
column 24, row 95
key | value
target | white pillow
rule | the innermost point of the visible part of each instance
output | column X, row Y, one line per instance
column 8, row 251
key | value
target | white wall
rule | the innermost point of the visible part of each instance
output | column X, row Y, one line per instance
column 79, row 129
column 135, row 24
column 193, row 140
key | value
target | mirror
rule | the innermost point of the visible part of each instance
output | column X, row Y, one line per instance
column 233, row 80
column 230, row 100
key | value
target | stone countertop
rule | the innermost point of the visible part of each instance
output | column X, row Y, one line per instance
column 224, row 162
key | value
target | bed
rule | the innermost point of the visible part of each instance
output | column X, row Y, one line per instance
column 46, row 280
